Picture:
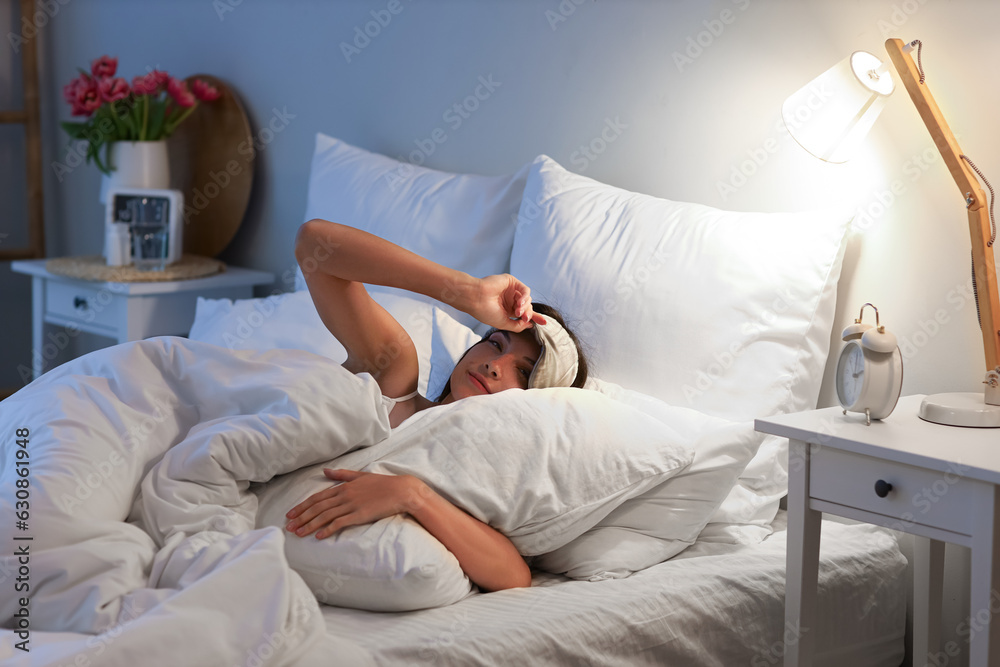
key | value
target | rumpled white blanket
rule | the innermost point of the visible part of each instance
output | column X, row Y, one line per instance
column 176, row 574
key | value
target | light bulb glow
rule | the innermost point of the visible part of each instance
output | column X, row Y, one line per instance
column 831, row 114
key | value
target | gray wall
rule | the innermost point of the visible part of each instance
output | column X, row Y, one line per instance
column 697, row 85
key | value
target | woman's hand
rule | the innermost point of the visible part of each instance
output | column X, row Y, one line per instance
column 363, row 497
column 489, row 559
column 504, row 302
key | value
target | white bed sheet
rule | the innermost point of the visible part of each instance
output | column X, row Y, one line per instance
column 714, row 605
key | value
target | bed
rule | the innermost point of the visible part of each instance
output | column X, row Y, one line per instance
column 144, row 485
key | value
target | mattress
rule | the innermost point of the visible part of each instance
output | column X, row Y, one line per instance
column 715, row 604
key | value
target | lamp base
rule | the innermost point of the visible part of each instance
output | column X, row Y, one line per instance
column 960, row 409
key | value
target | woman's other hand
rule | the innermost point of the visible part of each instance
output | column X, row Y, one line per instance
column 489, row 559
column 505, row 303
column 363, row 497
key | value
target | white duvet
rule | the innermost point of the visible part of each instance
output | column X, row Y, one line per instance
column 176, row 574
column 130, row 483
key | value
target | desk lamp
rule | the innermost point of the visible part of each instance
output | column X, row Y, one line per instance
column 832, row 114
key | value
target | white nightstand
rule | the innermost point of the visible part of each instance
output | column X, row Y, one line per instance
column 118, row 310
column 944, row 487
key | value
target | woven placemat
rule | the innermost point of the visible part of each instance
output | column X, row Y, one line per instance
column 92, row 267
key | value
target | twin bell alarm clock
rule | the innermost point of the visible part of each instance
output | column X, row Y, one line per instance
column 870, row 369
column 143, row 227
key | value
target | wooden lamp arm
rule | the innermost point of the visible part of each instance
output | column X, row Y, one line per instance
column 983, row 262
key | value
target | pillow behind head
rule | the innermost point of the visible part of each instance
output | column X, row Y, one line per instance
column 726, row 313
column 462, row 221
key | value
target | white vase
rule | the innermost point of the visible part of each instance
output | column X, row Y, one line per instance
column 137, row 164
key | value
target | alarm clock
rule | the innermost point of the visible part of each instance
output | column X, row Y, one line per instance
column 870, row 369
column 154, row 230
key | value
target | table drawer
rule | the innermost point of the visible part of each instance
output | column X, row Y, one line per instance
column 96, row 306
column 931, row 498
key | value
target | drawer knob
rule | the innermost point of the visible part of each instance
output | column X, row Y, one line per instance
column 882, row 488
column 80, row 302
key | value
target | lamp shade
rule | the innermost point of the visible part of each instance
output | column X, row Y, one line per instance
column 832, row 114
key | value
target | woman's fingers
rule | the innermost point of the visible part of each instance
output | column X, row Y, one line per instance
column 362, row 497
column 310, row 501
column 338, row 475
column 505, row 302
column 324, row 522
column 315, row 514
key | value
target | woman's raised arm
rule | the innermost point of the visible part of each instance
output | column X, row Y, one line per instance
column 337, row 259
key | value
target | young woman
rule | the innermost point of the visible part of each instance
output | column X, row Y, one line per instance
column 528, row 346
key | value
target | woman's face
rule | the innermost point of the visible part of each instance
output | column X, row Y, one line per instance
column 502, row 361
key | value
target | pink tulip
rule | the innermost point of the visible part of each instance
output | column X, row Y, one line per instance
column 204, row 91
column 88, row 98
column 69, row 90
column 104, row 66
column 180, row 93
column 161, row 77
column 145, row 84
column 113, row 89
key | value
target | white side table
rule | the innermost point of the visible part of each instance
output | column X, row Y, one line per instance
column 120, row 311
column 937, row 482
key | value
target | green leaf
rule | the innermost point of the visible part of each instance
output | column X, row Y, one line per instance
column 121, row 131
column 135, row 113
column 104, row 166
column 75, row 130
column 156, row 122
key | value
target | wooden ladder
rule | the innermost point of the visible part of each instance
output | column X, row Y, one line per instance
column 30, row 117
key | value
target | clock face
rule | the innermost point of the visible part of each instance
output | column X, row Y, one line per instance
column 134, row 209
column 850, row 374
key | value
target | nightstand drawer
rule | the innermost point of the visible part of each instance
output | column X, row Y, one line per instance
column 920, row 496
column 82, row 303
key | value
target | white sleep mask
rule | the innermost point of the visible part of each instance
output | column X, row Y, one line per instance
column 558, row 361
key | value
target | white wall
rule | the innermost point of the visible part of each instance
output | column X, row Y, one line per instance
column 696, row 86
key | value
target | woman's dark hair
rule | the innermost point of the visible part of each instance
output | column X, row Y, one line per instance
column 546, row 311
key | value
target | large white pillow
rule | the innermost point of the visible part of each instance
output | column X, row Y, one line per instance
column 541, row 465
column 290, row 321
column 660, row 523
column 727, row 313
column 463, row 221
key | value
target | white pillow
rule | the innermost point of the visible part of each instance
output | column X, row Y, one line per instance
column 393, row 564
column 290, row 321
column 449, row 341
column 723, row 312
column 463, row 221
column 660, row 523
column 540, row 465
column 287, row 320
